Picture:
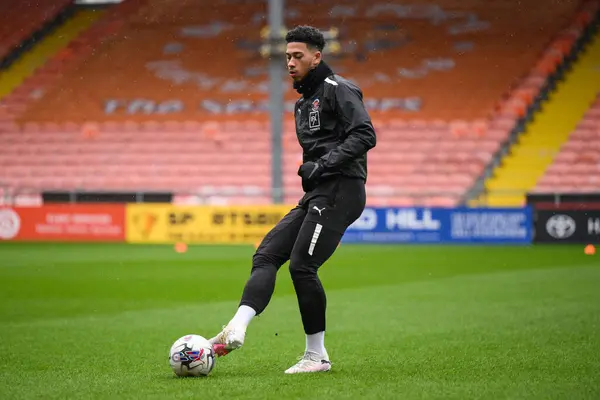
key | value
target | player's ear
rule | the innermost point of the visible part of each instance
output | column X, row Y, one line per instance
column 316, row 58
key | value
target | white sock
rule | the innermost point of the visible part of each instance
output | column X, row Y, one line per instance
column 315, row 343
column 242, row 317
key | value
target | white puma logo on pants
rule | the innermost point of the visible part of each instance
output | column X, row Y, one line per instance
column 317, row 208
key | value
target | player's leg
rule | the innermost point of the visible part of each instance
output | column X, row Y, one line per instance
column 274, row 250
column 327, row 219
column 315, row 245
column 271, row 254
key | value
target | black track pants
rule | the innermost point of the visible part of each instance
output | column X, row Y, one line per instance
column 307, row 236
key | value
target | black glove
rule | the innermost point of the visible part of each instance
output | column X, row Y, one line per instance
column 310, row 172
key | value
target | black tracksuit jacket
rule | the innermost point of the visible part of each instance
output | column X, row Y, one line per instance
column 332, row 124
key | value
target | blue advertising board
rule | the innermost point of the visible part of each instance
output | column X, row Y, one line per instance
column 442, row 225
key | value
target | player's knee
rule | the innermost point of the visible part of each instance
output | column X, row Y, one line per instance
column 260, row 260
column 300, row 270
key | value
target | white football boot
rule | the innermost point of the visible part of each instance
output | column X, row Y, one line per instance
column 310, row 362
column 229, row 339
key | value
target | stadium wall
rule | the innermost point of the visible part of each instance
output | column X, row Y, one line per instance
column 566, row 218
column 168, row 223
column 547, row 218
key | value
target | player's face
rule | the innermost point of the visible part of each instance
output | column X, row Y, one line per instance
column 301, row 59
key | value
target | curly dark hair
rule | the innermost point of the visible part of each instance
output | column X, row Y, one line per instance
column 306, row 34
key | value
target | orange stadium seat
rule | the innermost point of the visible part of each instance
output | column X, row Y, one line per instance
column 156, row 95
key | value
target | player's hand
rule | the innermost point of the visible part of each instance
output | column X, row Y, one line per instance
column 310, row 172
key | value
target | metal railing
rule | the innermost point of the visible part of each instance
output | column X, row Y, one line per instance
column 21, row 195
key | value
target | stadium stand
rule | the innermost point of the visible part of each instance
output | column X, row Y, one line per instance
column 576, row 167
column 21, row 20
column 155, row 96
column 22, row 67
column 537, row 148
column 190, row 57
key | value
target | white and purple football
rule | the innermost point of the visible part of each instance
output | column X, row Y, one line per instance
column 192, row 355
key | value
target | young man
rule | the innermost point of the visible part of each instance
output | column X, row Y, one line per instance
column 335, row 132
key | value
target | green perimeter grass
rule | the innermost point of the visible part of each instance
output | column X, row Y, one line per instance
column 97, row 320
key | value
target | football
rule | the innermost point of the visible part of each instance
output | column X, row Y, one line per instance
column 192, row 355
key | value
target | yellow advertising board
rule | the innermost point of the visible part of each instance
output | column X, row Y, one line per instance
column 167, row 223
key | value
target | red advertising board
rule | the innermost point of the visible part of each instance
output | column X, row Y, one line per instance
column 63, row 222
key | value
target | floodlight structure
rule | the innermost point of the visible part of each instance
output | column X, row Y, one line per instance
column 273, row 49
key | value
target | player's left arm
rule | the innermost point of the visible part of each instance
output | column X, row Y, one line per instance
column 359, row 131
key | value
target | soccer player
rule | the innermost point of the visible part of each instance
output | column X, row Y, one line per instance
column 335, row 132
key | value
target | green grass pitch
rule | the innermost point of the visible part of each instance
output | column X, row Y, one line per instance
column 404, row 322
